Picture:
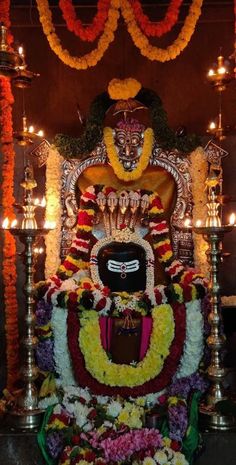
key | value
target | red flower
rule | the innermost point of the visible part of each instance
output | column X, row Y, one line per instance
column 92, row 414
column 101, row 304
column 75, row 440
column 175, row 445
column 90, row 456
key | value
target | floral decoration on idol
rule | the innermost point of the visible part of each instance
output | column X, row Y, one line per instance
column 87, row 301
column 106, row 23
column 72, row 147
column 8, row 200
column 84, row 428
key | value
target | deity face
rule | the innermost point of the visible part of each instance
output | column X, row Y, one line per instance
column 128, row 142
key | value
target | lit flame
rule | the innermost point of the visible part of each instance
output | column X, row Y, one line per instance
column 5, row 223
column 187, row 223
column 13, row 223
column 232, row 219
column 40, row 133
column 38, row 250
column 21, row 50
column 221, row 70
column 212, row 125
column 36, row 201
column 211, row 72
column 31, row 129
column 198, row 223
column 49, row 224
column 43, row 202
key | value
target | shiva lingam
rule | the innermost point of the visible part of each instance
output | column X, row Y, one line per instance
column 213, row 232
column 26, row 414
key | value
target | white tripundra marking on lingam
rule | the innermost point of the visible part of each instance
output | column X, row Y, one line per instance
column 121, row 267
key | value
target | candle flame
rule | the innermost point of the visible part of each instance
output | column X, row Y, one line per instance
column 36, row 201
column 21, row 50
column 31, row 129
column 198, row 223
column 40, row 133
column 232, row 219
column 221, row 70
column 5, row 223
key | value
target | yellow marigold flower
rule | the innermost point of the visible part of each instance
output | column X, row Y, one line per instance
column 123, row 89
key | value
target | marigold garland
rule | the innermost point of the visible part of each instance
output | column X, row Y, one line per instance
column 9, row 246
column 86, row 33
column 114, row 159
column 139, row 39
column 89, row 59
column 172, row 51
column 153, row 29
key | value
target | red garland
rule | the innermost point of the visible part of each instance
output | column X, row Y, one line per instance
column 84, row 378
column 9, row 246
column 86, row 33
column 151, row 29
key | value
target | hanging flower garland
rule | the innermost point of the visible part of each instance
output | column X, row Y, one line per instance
column 89, row 59
column 198, row 170
column 53, row 210
column 88, row 33
column 9, row 246
column 139, row 39
column 152, row 29
column 172, row 51
column 114, row 159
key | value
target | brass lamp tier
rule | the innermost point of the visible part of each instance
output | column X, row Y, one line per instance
column 216, row 371
column 26, row 414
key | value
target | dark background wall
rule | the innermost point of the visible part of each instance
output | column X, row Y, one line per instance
column 52, row 101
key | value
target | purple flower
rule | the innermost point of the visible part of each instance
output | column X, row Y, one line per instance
column 43, row 312
column 54, row 443
column 178, row 421
column 44, row 355
column 183, row 386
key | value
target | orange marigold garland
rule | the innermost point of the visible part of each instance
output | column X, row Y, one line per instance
column 86, row 33
column 9, row 247
column 152, row 29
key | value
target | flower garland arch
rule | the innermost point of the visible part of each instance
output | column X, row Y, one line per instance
column 85, row 33
column 9, row 245
column 139, row 38
column 152, row 29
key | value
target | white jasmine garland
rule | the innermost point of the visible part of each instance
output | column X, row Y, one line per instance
column 47, row 401
column 193, row 346
column 61, row 352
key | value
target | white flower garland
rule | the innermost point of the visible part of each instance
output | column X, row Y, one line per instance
column 53, row 210
column 193, row 347
column 62, row 358
column 198, row 171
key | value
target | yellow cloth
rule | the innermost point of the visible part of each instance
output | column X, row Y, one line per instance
column 154, row 178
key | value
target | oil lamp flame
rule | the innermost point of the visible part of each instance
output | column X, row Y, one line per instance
column 232, row 219
column 13, row 223
column 5, row 223
column 49, row 224
column 187, row 223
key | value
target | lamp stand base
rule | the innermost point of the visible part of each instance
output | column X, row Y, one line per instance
column 211, row 420
column 28, row 420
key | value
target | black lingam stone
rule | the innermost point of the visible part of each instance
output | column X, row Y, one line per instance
column 122, row 266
